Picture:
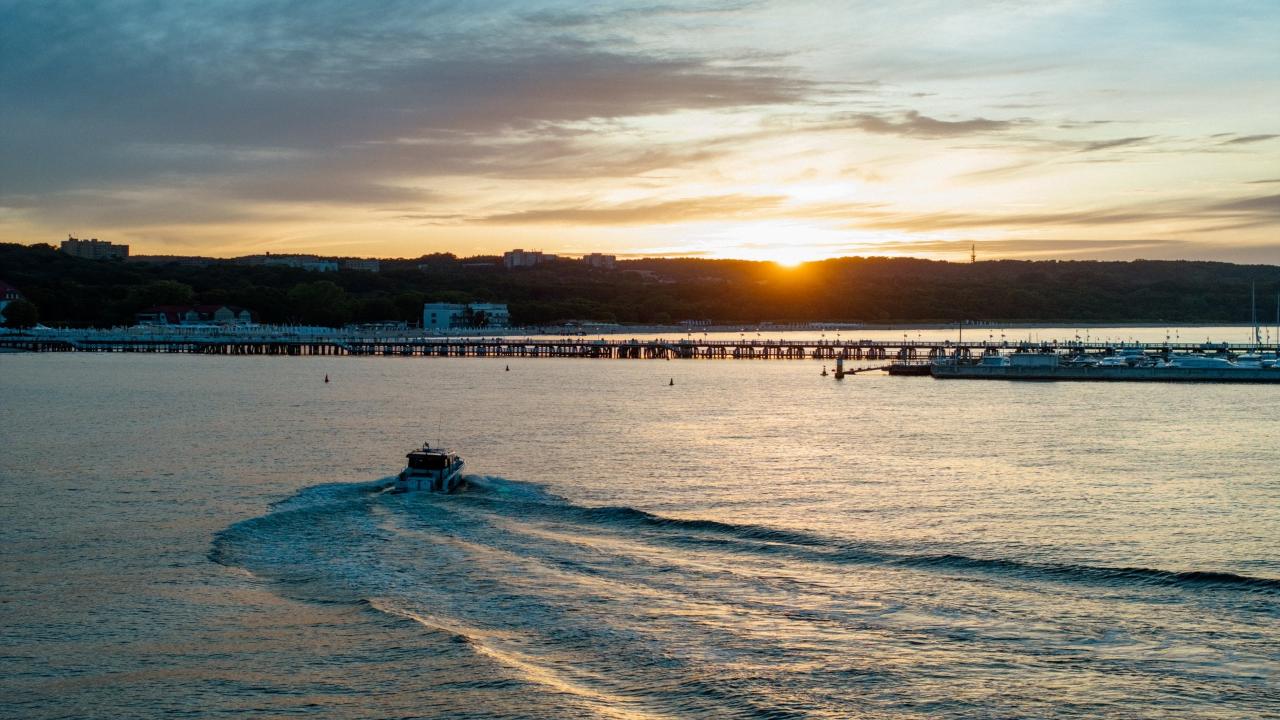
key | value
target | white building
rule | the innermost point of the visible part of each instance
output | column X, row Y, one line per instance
column 362, row 264
column 8, row 294
column 443, row 316
column 94, row 249
column 525, row 258
column 601, row 262
column 496, row 314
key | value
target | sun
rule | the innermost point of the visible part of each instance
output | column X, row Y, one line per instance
column 787, row 243
column 791, row 261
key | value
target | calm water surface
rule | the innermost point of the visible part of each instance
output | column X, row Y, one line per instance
column 206, row 537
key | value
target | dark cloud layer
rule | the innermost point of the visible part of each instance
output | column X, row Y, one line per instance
column 125, row 92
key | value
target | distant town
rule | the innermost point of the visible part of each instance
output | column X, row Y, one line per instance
column 99, row 283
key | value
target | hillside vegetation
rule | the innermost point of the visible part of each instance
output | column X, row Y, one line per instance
column 69, row 290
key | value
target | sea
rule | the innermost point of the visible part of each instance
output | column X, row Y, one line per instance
column 210, row 537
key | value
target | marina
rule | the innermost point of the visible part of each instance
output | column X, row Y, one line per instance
column 1050, row 366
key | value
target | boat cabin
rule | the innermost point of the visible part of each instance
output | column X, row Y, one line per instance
column 431, row 459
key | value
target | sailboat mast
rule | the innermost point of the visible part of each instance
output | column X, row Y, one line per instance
column 1254, row 303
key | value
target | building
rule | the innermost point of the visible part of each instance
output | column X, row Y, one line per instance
column 361, row 264
column 440, row 316
column 496, row 315
column 94, row 249
column 444, row 316
column 8, row 294
column 602, row 262
column 305, row 262
column 179, row 260
column 525, row 258
column 195, row 315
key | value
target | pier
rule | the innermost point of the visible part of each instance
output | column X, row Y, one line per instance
column 905, row 350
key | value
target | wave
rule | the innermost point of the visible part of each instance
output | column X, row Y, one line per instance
column 319, row 505
column 809, row 546
column 601, row 702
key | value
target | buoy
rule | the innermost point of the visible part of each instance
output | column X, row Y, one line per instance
column 824, row 371
column 326, row 377
column 508, row 368
column 673, row 382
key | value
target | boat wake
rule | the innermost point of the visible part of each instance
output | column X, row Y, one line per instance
column 634, row 615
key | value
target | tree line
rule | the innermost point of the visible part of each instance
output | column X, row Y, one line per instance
column 67, row 290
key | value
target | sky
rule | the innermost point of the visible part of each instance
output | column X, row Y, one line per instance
column 784, row 131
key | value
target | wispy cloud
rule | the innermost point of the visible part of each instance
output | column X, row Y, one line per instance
column 1097, row 145
column 1251, row 210
column 673, row 211
column 911, row 123
column 1249, row 139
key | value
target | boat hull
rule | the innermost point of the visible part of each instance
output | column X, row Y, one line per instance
column 444, row 481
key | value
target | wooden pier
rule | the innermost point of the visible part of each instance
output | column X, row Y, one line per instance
column 613, row 349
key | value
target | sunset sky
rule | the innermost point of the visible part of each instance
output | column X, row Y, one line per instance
column 765, row 130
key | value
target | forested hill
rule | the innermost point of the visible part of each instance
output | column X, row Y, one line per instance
column 69, row 290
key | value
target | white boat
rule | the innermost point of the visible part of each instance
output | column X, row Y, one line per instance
column 1257, row 360
column 433, row 469
column 1206, row 362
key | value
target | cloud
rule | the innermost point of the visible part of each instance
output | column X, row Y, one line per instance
column 1264, row 205
column 1114, row 143
column 90, row 90
column 1249, row 139
column 720, row 207
column 1244, row 212
column 1033, row 247
column 912, row 123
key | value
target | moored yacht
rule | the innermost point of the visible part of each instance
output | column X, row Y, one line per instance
column 435, row 469
column 1201, row 362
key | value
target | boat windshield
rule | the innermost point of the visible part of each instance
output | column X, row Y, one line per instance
column 425, row 461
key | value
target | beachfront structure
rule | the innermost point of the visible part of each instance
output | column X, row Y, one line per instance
column 443, row 316
column 194, row 315
column 94, row 249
